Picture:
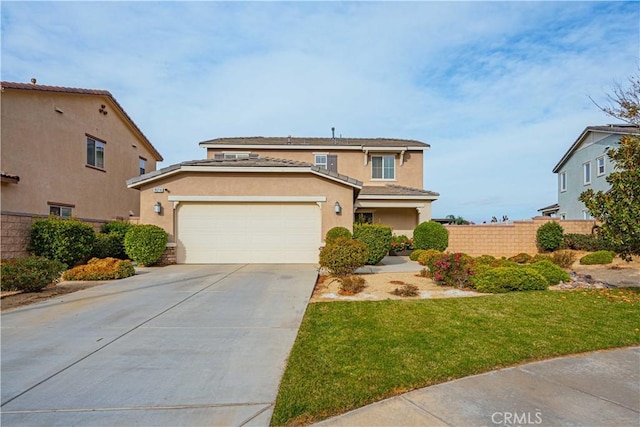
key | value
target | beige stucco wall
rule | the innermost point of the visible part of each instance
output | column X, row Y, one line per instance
column 47, row 150
column 245, row 184
column 351, row 163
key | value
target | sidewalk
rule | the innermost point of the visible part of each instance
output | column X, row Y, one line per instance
column 594, row 389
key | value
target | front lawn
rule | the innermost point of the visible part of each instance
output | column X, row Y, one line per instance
column 350, row 354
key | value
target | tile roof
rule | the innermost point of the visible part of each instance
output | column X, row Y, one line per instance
column 394, row 190
column 553, row 207
column 314, row 141
column 79, row 91
column 253, row 162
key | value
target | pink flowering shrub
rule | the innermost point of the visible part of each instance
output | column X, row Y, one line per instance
column 453, row 270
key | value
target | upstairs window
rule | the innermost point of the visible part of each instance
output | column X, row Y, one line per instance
column 383, row 167
column 563, row 181
column 143, row 165
column 229, row 156
column 586, row 168
column 321, row 160
column 95, row 153
column 600, row 164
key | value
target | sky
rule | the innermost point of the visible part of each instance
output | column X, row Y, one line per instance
column 500, row 90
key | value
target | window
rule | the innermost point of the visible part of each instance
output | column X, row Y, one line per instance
column 95, row 153
column 586, row 168
column 563, row 181
column 601, row 166
column 586, row 214
column 228, row 156
column 364, row 218
column 143, row 166
column 321, row 160
column 61, row 211
column 563, row 216
column 383, row 167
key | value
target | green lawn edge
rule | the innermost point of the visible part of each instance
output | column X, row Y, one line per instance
column 350, row 354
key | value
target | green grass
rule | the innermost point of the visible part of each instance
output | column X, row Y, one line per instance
column 350, row 354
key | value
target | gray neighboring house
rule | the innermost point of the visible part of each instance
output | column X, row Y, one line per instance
column 585, row 166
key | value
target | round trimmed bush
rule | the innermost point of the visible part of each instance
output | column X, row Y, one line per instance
column 549, row 236
column 377, row 237
column 30, row 274
column 336, row 232
column 415, row 255
column 550, row 271
column 599, row 257
column 344, row 256
column 507, row 279
column 107, row 246
column 431, row 235
column 145, row 243
column 429, row 256
column 66, row 240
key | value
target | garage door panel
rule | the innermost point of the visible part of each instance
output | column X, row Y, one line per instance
column 248, row 233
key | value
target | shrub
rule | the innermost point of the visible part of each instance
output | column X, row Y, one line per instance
column 101, row 269
column 30, row 274
column 351, row 285
column 507, row 279
column 541, row 257
column 119, row 229
column 431, row 235
column 550, row 271
column 377, row 237
column 66, row 240
column 415, row 255
column 580, row 242
column 145, row 243
column 336, row 232
column 107, row 246
column 564, row 258
column 344, row 256
column 407, row 290
column 453, row 270
column 485, row 259
column 521, row 258
column 428, row 257
column 549, row 236
column 599, row 257
column 401, row 243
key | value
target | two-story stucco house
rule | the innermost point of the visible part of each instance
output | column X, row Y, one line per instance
column 272, row 200
column 66, row 152
column 585, row 166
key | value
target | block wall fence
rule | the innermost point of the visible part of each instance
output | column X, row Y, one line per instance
column 507, row 239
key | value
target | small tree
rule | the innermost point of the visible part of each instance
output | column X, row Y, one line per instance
column 549, row 236
column 431, row 235
column 619, row 208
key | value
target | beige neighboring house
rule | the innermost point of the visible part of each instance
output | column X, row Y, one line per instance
column 272, row 200
column 66, row 152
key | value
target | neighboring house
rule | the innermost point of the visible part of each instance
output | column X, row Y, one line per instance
column 66, row 152
column 272, row 200
column 585, row 166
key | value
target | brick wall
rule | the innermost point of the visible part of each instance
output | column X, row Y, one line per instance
column 506, row 239
column 168, row 257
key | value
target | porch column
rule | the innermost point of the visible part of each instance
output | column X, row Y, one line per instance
column 424, row 213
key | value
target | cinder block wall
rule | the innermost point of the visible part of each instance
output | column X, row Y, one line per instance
column 503, row 239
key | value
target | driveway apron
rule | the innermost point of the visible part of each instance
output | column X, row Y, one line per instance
column 181, row 345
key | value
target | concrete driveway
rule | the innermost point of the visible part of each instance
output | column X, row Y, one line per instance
column 181, row 345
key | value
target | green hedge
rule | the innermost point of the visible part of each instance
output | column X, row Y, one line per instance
column 108, row 246
column 549, row 236
column 377, row 237
column 507, row 279
column 431, row 235
column 344, row 256
column 145, row 243
column 550, row 271
column 599, row 257
column 66, row 240
column 30, row 274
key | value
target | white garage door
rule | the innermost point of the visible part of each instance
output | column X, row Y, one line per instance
column 221, row 233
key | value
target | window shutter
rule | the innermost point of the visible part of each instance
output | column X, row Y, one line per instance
column 332, row 163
